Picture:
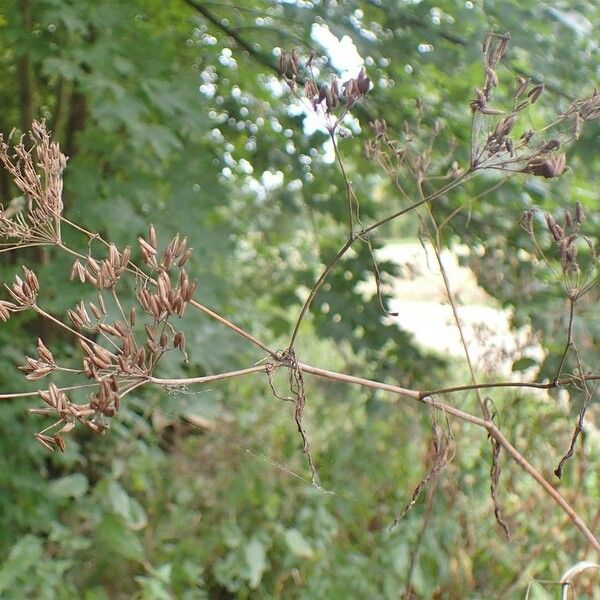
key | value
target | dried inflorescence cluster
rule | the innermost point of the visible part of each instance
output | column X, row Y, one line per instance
column 93, row 414
column 23, row 291
column 36, row 169
column 168, row 299
column 117, row 354
column 410, row 153
column 499, row 141
column 102, row 273
column 567, row 239
column 323, row 98
column 584, row 109
column 500, row 149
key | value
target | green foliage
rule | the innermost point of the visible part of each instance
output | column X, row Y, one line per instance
column 166, row 119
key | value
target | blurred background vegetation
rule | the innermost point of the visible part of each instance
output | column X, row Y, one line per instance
column 172, row 113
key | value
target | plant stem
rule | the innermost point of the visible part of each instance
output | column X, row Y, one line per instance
column 207, row 378
column 569, row 341
column 318, row 285
column 489, row 426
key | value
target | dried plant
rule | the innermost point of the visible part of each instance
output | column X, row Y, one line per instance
column 120, row 355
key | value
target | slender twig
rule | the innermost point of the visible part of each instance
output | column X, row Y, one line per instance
column 330, row 266
column 489, row 426
column 587, row 398
column 415, row 551
column 37, row 392
column 436, row 243
column 426, row 200
column 569, row 342
column 64, row 326
column 208, row 378
column 502, row 384
column 346, row 182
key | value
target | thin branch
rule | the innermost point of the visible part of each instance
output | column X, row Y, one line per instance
column 64, row 326
column 208, row 378
column 415, row 552
column 569, row 342
column 346, row 182
column 587, row 398
column 489, row 426
column 334, row 261
column 37, row 392
column 426, row 200
column 516, row 384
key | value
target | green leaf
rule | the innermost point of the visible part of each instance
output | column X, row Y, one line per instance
column 70, row 486
column 298, row 544
column 232, row 534
column 23, row 556
column 523, row 363
column 127, row 507
column 120, row 540
column 256, row 560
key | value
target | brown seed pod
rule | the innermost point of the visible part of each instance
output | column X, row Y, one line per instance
column 535, row 93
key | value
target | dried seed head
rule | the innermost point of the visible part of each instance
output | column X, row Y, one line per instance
column 553, row 228
column 522, row 85
column 6, row 308
column 579, row 214
column 549, row 146
column 24, row 291
column 283, row 63
column 548, row 168
column 60, row 443
column 78, row 272
column 179, row 341
column 535, row 93
column 505, row 126
column 152, row 237
column 148, row 251
column 36, row 171
column 310, row 90
column 35, row 369
column 46, row 441
column 95, row 311
column 44, row 354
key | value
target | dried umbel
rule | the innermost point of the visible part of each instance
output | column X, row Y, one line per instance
column 494, row 145
column 36, row 169
column 104, row 403
column 24, row 290
column 35, row 369
column 104, row 273
column 494, row 48
column 567, row 239
column 118, row 355
column 323, row 97
column 553, row 166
